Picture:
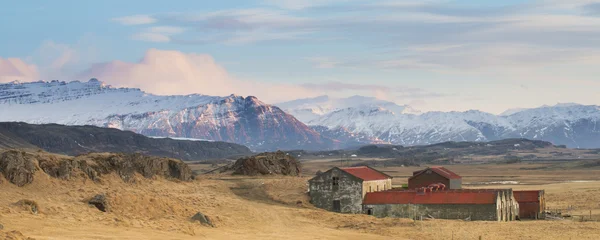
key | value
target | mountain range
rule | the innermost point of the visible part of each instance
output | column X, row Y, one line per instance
column 312, row 124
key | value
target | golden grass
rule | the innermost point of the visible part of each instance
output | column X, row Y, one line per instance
column 266, row 208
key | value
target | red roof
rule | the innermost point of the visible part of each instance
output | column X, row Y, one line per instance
column 527, row 196
column 443, row 197
column 365, row 173
column 442, row 171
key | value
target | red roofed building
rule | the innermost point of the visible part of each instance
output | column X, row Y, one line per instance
column 472, row 204
column 531, row 204
column 343, row 189
column 435, row 175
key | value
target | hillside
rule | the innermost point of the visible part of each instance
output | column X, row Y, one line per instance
column 237, row 119
column 75, row 140
column 500, row 151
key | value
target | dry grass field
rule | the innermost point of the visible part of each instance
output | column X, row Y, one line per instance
column 269, row 208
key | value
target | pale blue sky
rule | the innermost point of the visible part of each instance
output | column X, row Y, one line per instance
column 432, row 54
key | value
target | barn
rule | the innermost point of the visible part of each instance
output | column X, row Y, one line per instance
column 531, row 204
column 470, row 204
column 342, row 189
column 435, row 175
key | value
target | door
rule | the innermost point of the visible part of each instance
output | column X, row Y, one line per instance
column 337, row 207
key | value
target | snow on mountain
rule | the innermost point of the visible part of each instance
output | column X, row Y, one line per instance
column 309, row 109
column 233, row 118
column 573, row 125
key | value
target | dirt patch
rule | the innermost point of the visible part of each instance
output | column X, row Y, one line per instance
column 13, row 235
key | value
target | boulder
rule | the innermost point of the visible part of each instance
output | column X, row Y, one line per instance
column 17, row 167
column 202, row 219
column 100, row 202
column 29, row 205
column 276, row 163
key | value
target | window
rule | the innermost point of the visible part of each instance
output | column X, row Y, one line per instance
column 378, row 188
column 336, row 181
column 370, row 188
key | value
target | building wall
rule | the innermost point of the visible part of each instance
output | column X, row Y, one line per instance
column 455, row 184
column 426, row 179
column 376, row 186
column 485, row 212
column 349, row 192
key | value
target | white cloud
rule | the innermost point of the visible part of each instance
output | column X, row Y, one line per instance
column 135, row 20
column 151, row 37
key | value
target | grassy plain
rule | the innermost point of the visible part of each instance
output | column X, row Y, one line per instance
column 268, row 208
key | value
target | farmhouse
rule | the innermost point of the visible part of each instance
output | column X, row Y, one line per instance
column 434, row 192
column 435, row 175
column 343, row 189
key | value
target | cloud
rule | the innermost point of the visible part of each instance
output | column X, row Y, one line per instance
column 12, row 69
column 158, row 33
column 151, row 37
column 173, row 72
column 135, row 20
column 386, row 92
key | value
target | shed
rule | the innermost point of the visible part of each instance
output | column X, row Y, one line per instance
column 434, row 175
column 343, row 189
column 531, row 204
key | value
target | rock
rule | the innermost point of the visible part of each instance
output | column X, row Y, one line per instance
column 202, row 219
column 267, row 163
column 17, row 167
column 30, row 205
column 1, row 227
column 100, row 202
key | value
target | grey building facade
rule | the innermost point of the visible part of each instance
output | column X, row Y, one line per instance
column 342, row 189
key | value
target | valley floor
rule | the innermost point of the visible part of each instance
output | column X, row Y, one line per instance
column 264, row 208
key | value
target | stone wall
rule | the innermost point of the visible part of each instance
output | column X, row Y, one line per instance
column 348, row 192
column 485, row 212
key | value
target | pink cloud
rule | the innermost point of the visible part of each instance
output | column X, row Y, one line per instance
column 12, row 69
column 173, row 72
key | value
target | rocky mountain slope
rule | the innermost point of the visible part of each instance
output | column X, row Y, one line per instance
column 573, row 125
column 243, row 120
column 75, row 140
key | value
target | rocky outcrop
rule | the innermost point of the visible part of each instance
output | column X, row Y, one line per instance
column 202, row 219
column 19, row 167
column 100, row 202
column 278, row 163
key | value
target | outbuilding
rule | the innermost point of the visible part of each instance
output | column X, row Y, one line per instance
column 531, row 204
column 342, row 189
column 435, row 175
column 469, row 204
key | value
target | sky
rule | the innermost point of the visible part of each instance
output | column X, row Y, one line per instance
column 435, row 55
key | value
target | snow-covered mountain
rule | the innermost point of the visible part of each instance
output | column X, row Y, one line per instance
column 573, row 125
column 309, row 109
column 232, row 118
column 370, row 119
column 326, row 123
